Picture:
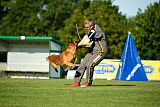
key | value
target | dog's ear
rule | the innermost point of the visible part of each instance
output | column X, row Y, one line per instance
column 71, row 40
column 77, row 41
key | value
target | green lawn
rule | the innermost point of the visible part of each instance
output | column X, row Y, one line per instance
column 57, row 93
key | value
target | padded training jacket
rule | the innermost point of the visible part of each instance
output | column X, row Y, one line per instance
column 97, row 36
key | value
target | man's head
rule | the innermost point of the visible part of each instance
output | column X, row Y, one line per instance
column 88, row 23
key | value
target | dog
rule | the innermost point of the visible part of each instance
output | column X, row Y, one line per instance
column 65, row 58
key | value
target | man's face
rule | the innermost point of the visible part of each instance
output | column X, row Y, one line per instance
column 87, row 27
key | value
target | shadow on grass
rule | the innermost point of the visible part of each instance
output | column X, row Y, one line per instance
column 111, row 85
column 106, row 85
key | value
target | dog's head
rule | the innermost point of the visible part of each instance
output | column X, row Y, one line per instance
column 73, row 45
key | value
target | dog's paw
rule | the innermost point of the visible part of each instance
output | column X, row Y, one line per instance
column 72, row 67
column 56, row 70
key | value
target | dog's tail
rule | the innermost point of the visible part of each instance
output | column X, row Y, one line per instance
column 52, row 64
column 47, row 59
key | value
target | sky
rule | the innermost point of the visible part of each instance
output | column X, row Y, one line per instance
column 130, row 7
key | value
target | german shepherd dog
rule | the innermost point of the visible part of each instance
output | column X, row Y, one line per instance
column 65, row 58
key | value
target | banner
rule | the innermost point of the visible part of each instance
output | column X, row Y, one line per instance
column 152, row 69
column 108, row 68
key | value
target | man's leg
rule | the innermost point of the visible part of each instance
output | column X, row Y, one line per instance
column 94, row 60
column 81, row 69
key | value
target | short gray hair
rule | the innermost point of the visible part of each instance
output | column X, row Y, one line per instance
column 89, row 21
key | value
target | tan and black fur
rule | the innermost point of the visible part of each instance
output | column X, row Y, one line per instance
column 65, row 58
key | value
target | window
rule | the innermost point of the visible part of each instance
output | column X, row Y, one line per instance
column 3, row 56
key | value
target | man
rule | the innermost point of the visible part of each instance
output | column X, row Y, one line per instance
column 98, row 51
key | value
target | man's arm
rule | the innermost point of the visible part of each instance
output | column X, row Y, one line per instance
column 91, row 34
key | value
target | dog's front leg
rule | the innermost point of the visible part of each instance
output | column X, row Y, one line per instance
column 70, row 64
column 75, row 60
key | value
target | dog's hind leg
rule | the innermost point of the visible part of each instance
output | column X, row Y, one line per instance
column 54, row 66
column 64, row 72
column 67, row 68
column 62, row 68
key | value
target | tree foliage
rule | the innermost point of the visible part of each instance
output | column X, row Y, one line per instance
column 35, row 17
column 146, row 31
column 58, row 18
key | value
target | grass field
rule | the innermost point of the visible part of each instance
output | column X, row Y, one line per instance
column 57, row 93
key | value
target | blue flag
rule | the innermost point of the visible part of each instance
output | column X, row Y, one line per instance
column 130, row 67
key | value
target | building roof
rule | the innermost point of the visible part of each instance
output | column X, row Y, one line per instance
column 30, row 39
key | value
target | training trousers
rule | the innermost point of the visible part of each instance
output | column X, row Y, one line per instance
column 88, row 64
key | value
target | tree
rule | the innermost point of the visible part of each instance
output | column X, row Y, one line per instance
column 146, row 32
column 21, row 17
column 35, row 17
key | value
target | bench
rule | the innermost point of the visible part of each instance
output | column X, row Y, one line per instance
column 25, row 74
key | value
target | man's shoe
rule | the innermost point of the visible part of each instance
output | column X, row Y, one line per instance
column 75, row 84
column 85, row 84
